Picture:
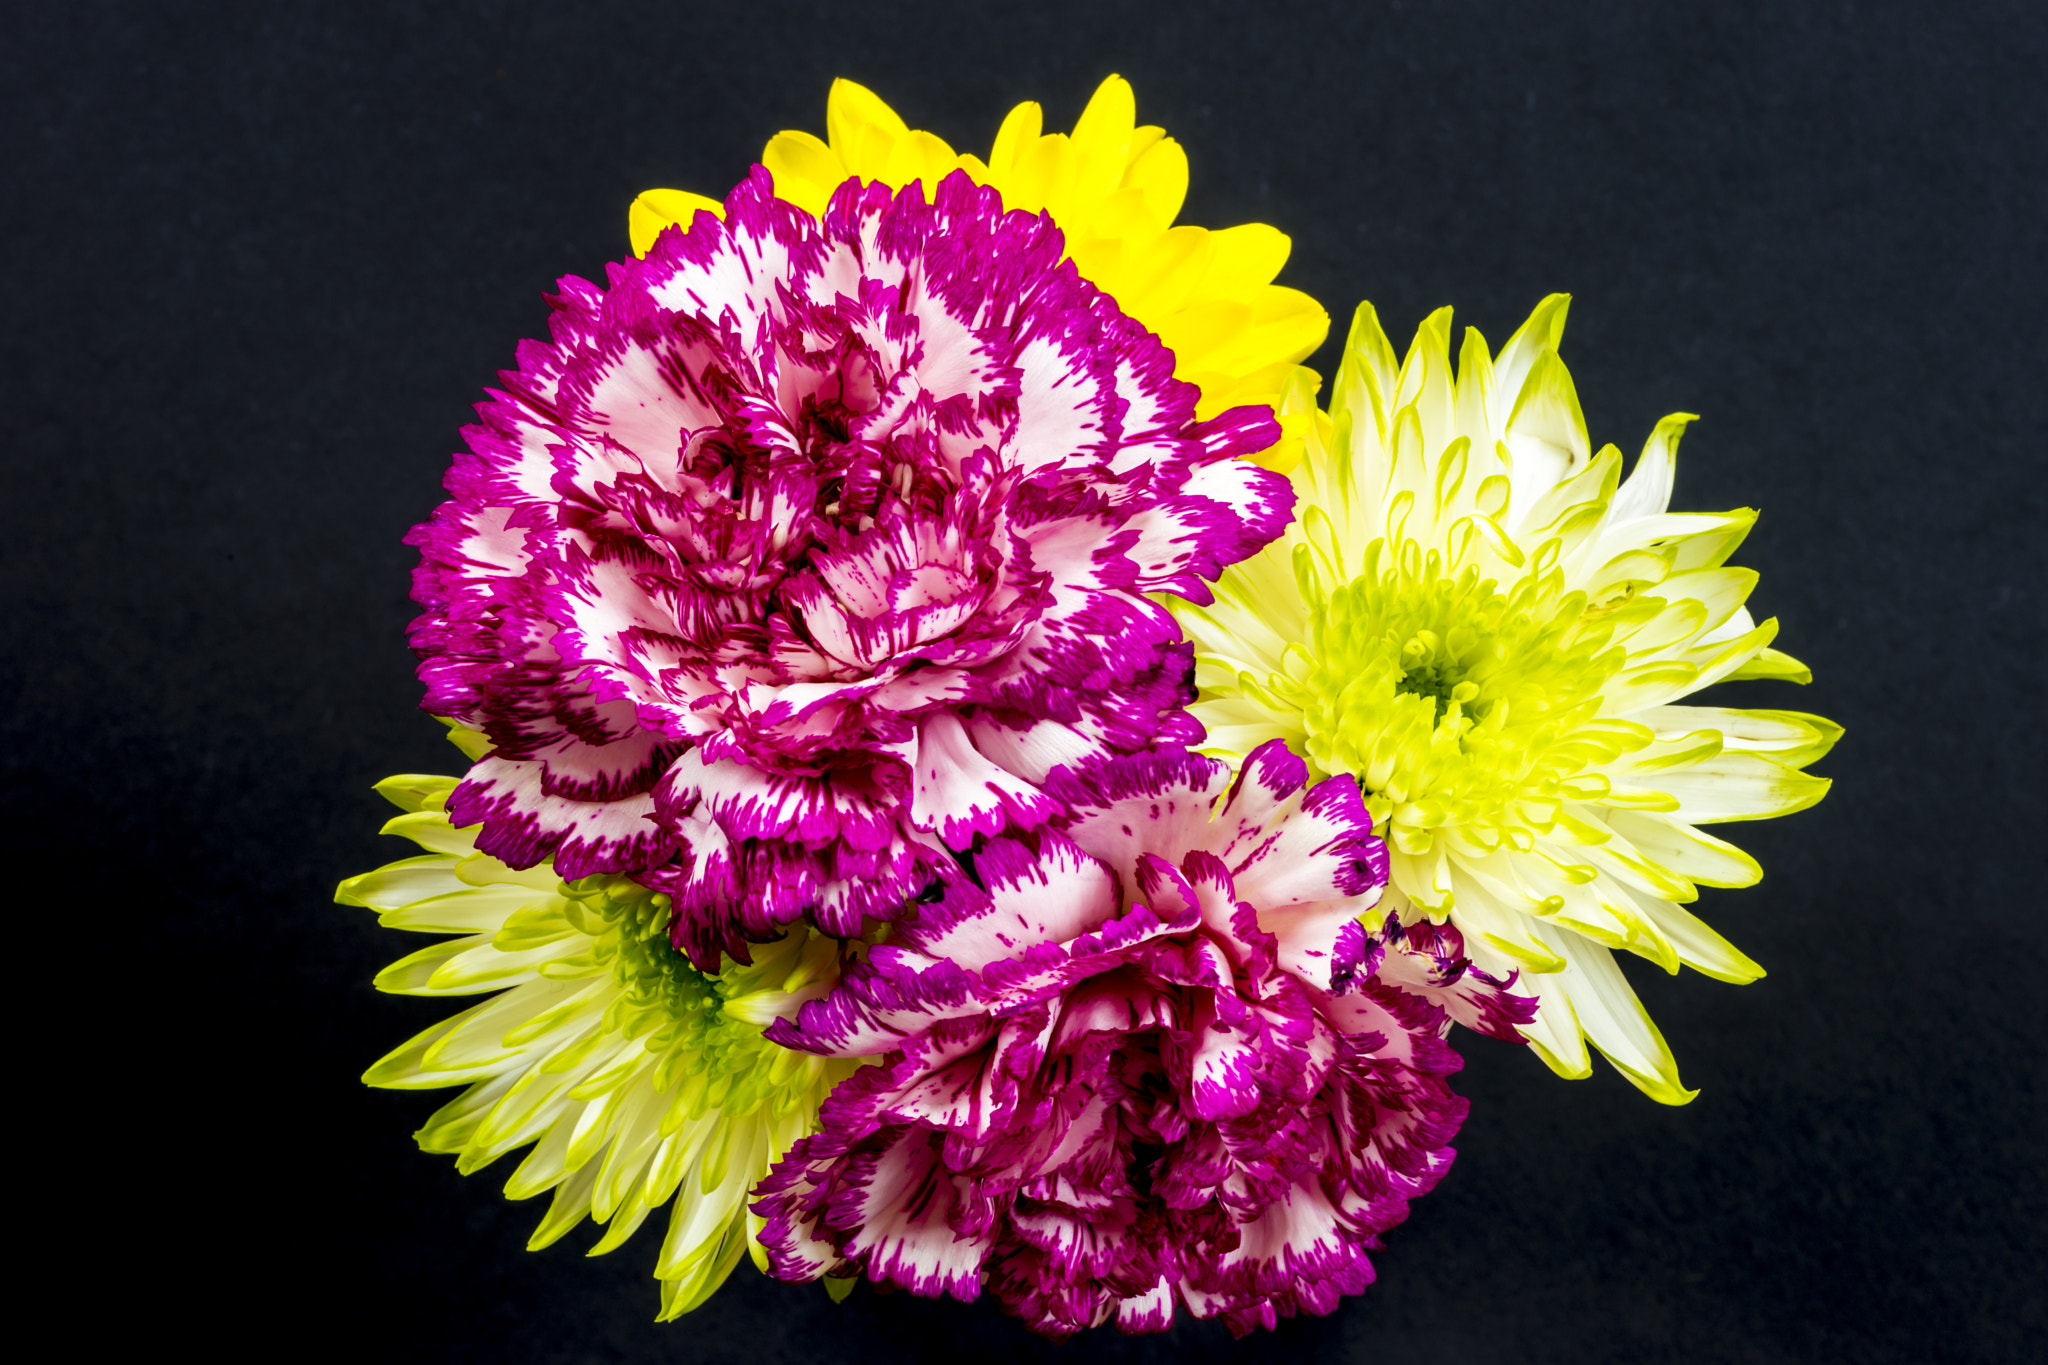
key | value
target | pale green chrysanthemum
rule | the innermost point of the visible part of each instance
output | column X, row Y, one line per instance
column 1476, row 617
column 637, row 1078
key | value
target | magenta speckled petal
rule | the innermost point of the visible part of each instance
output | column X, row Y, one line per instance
column 807, row 542
column 1139, row 1061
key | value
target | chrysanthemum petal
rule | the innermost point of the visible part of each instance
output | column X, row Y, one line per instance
column 1741, row 786
column 1613, row 1019
column 402, row 883
column 1793, row 737
column 1699, row 947
column 1773, row 663
column 1480, row 618
column 1675, row 845
column 608, row 1053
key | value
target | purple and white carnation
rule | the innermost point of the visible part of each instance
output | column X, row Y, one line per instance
column 1146, row 1056
column 806, row 549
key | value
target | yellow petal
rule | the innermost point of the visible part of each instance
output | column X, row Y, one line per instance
column 1647, row 490
column 1547, row 430
column 806, row 171
column 655, row 210
column 861, row 129
column 1677, row 847
column 1544, row 331
column 1554, row 1034
column 1021, row 129
column 468, row 910
column 1741, row 786
column 1246, row 259
column 1101, row 135
column 1160, row 174
column 1794, row 737
column 916, row 157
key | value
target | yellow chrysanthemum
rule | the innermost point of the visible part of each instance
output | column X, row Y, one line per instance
column 637, row 1079
column 1114, row 189
column 1474, row 615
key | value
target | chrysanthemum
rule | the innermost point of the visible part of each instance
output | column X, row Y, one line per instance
column 638, row 1079
column 1478, row 619
column 1114, row 189
column 1154, row 1061
column 805, row 551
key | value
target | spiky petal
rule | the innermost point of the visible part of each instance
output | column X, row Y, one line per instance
column 1479, row 619
column 639, row 1081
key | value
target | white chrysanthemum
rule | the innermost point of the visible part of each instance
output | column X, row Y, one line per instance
column 638, row 1079
column 1478, row 618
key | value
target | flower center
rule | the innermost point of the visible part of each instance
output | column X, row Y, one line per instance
column 1455, row 702
column 646, row 964
column 1435, row 681
column 716, row 1055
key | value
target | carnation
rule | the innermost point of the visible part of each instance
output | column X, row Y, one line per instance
column 805, row 550
column 1149, row 1058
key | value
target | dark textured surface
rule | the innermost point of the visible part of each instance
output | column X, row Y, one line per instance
column 261, row 258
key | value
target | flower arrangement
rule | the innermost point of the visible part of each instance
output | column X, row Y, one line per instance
column 980, row 784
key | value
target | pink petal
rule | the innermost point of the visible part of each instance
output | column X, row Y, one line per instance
column 961, row 794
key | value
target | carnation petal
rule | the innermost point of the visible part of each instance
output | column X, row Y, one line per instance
column 960, row 793
column 897, row 1217
column 524, row 824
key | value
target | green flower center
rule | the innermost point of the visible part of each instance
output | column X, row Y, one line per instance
column 1435, row 681
column 648, row 966
column 716, row 1054
column 1455, row 702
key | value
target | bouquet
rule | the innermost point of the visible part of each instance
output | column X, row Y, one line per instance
column 982, row 780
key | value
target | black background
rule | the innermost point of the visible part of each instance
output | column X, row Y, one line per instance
column 261, row 257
